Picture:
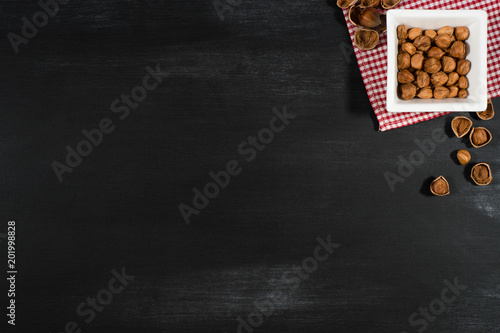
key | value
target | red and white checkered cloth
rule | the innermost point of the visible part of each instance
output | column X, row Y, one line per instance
column 373, row 63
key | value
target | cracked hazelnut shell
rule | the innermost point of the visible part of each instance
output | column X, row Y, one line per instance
column 366, row 39
column 488, row 113
column 440, row 186
column 461, row 126
column 480, row 137
column 481, row 174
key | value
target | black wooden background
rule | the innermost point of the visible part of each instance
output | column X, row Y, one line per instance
column 322, row 175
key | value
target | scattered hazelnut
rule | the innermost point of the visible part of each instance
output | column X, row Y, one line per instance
column 440, row 186
column 417, row 61
column 409, row 48
column 463, row 156
column 408, row 91
column 369, row 18
column 432, row 65
column 457, row 50
column 452, row 78
column 402, row 31
column 441, row 92
column 479, row 137
column 462, row 33
column 488, row 113
column 463, row 67
column 461, row 126
column 446, row 31
column 405, row 76
column 422, row 43
column 425, row 93
column 414, row 33
column 439, row 79
column 443, row 41
column 453, row 91
column 403, row 60
column 462, row 93
column 449, row 64
column 435, row 52
column 423, row 79
column 481, row 174
column 366, row 39
column 463, row 82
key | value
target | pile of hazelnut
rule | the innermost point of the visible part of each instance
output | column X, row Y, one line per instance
column 432, row 63
column 363, row 14
column 479, row 137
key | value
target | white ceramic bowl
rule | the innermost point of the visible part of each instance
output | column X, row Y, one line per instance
column 476, row 21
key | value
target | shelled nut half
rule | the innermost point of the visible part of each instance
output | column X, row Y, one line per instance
column 461, row 126
column 480, row 137
column 440, row 186
column 488, row 113
column 481, row 174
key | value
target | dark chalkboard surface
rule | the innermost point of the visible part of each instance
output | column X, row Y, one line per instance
column 116, row 115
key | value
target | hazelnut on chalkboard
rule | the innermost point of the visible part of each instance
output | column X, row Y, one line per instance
column 463, row 156
column 440, row 186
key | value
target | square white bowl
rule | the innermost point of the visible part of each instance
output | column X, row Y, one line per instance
column 476, row 21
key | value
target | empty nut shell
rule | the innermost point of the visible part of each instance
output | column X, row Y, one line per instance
column 432, row 65
column 457, row 50
column 463, row 156
column 453, row 91
column 440, row 186
column 405, row 76
column 366, row 39
column 462, row 33
column 461, row 126
column 449, row 64
column 443, row 41
column 488, row 113
column 452, row 79
column 441, row 92
column 355, row 14
column 346, row 3
column 435, row 52
column 417, row 61
column 463, row 82
column 388, row 4
column 425, row 93
column 408, row 91
column 480, row 137
column 439, row 79
column 414, row 33
column 402, row 31
column 369, row 3
column 481, row 174
column 423, row 79
column 422, row 43
column 463, row 67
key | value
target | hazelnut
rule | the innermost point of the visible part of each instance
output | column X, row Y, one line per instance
column 422, row 43
column 479, row 137
column 431, row 34
column 463, row 156
column 403, row 60
column 408, row 91
column 488, row 113
column 441, row 92
column 449, row 64
column 462, row 33
column 463, row 82
column 457, row 50
column 414, row 33
column 461, row 126
column 463, row 67
column 481, row 174
column 369, row 18
column 417, row 61
column 402, row 41
column 366, row 39
column 409, row 48
column 443, row 41
column 452, row 78
column 435, row 52
column 402, row 31
column 388, row 4
column 405, row 76
column 439, row 79
column 423, row 79
column 432, row 65
column 446, row 31
column 440, row 186
column 462, row 93
column 453, row 91
column 425, row 93
column 346, row 3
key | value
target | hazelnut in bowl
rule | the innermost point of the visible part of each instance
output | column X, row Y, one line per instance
column 436, row 60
